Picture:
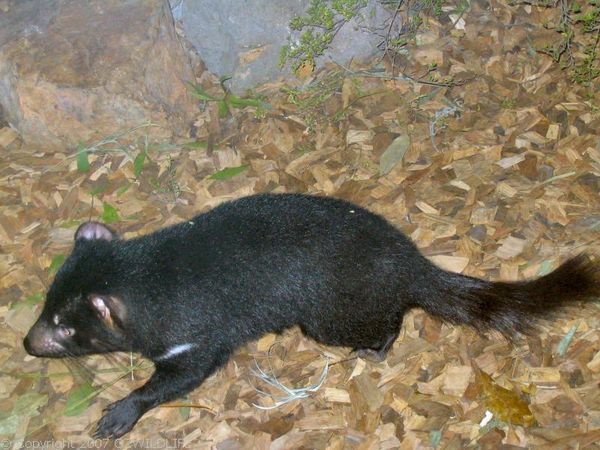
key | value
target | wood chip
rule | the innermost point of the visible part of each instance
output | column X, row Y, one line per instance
column 553, row 131
column 451, row 263
column 506, row 190
column 511, row 247
column 426, row 208
column 457, row 379
column 336, row 395
column 505, row 163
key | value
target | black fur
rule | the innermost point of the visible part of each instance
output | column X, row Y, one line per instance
column 263, row 264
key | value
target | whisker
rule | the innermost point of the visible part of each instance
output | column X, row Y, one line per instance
column 124, row 362
column 78, row 369
column 106, row 382
column 116, row 360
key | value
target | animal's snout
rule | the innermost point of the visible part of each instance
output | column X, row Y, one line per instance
column 41, row 341
column 29, row 348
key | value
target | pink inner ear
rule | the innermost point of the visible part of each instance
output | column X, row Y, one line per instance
column 94, row 230
column 98, row 303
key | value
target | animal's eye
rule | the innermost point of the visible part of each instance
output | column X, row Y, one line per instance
column 65, row 331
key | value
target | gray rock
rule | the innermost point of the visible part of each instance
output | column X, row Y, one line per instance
column 243, row 38
column 75, row 70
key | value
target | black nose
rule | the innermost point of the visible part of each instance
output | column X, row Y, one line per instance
column 27, row 346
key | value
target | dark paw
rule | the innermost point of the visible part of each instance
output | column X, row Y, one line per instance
column 379, row 353
column 118, row 419
column 374, row 356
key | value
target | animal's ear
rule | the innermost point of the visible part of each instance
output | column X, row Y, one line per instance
column 95, row 230
column 110, row 309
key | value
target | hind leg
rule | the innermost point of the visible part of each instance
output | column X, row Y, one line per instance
column 377, row 354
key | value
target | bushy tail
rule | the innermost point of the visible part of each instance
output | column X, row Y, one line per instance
column 512, row 308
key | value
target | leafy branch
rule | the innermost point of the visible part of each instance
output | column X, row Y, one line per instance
column 228, row 101
column 318, row 27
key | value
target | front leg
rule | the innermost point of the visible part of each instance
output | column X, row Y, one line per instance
column 172, row 378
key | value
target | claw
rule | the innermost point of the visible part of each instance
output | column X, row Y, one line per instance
column 118, row 419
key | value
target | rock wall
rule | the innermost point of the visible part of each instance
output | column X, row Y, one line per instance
column 73, row 71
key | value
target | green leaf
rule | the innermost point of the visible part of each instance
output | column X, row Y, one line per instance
column 123, row 189
column 138, row 164
column 79, row 400
column 33, row 300
column 184, row 412
column 229, row 172
column 435, row 437
column 110, row 214
column 98, row 190
column 563, row 345
column 29, row 302
column 393, row 154
column 195, row 144
column 26, row 405
column 163, row 147
column 57, row 261
column 70, row 224
column 83, row 163
column 8, row 424
column 545, row 267
column 238, row 102
column 223, row 108
column 200, row 94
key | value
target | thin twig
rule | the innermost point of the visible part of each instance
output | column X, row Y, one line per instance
column 403, row 77
column 389, row 32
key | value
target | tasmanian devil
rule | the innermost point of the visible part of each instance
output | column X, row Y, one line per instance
column 188, row 295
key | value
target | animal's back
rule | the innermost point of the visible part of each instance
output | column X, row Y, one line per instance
column 337, row 270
